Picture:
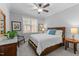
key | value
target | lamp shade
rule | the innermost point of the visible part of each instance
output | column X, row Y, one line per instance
column 74, row 30
column 43, row 29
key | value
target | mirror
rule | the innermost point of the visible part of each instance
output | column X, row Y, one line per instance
column 2, row 23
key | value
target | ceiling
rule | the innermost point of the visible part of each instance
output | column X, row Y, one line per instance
column 27, row 9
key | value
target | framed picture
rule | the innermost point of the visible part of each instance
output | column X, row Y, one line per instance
column 16, row 26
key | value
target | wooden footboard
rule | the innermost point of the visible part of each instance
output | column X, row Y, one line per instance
column 33, row 46
column 50, row 49
column 47, row 50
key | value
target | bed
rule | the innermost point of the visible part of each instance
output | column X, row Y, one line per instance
column 43, row 43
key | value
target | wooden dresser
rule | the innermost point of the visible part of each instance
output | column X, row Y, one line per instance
column 8, row 47
column 8, row 50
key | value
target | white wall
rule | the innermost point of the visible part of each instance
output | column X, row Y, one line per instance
column 5, row 9
column 67, row 18
column 16, row 17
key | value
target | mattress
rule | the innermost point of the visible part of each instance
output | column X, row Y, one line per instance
column 43, row 41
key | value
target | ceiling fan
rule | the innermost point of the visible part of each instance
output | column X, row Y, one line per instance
column 40, row 7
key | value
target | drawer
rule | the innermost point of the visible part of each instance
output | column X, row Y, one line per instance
column 8, row 50
column 2, row 50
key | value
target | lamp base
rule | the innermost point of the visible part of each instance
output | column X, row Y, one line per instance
column 73, row 37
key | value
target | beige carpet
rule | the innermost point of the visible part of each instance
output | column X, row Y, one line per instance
column 26, row 50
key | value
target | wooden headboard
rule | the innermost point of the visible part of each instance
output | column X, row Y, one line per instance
column 60, row 28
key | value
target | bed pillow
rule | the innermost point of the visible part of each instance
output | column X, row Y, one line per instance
column 52, row 32
column 47, row 31
column 59, row 32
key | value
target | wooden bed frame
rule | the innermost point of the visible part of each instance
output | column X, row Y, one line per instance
column 51, row 48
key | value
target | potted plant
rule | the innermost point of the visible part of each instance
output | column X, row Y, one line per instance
column 11, row 34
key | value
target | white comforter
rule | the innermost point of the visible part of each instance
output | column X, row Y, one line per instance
column 42, row 41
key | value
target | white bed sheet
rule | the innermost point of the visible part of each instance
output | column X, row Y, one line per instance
column 42, row 41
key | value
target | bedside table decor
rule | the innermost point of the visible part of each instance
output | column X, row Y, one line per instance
column 74, row 31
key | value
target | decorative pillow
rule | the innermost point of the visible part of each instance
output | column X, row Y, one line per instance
column 58, row 32
column 52, row 32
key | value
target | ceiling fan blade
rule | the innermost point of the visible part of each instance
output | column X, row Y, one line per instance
column 40, row 4
column 45, row 10
column 46, row 5
column 35, row 4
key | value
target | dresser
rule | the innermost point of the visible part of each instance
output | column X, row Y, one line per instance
column 8, row 47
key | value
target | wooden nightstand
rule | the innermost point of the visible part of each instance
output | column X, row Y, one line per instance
column 73, row 41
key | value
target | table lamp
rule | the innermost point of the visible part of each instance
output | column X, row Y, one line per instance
column 74, row 31
column 43, row 29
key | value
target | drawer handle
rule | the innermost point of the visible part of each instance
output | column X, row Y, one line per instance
column 1, row 53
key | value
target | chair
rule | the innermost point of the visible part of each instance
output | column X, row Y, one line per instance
column 20, row 39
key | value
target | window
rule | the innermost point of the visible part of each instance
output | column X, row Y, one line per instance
column 30, row 25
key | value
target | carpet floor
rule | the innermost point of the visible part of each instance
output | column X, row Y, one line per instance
column 26, row 50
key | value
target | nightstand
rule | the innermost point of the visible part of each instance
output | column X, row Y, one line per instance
column 73, row 41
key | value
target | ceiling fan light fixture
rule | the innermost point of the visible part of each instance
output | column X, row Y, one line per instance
column 40, row 9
